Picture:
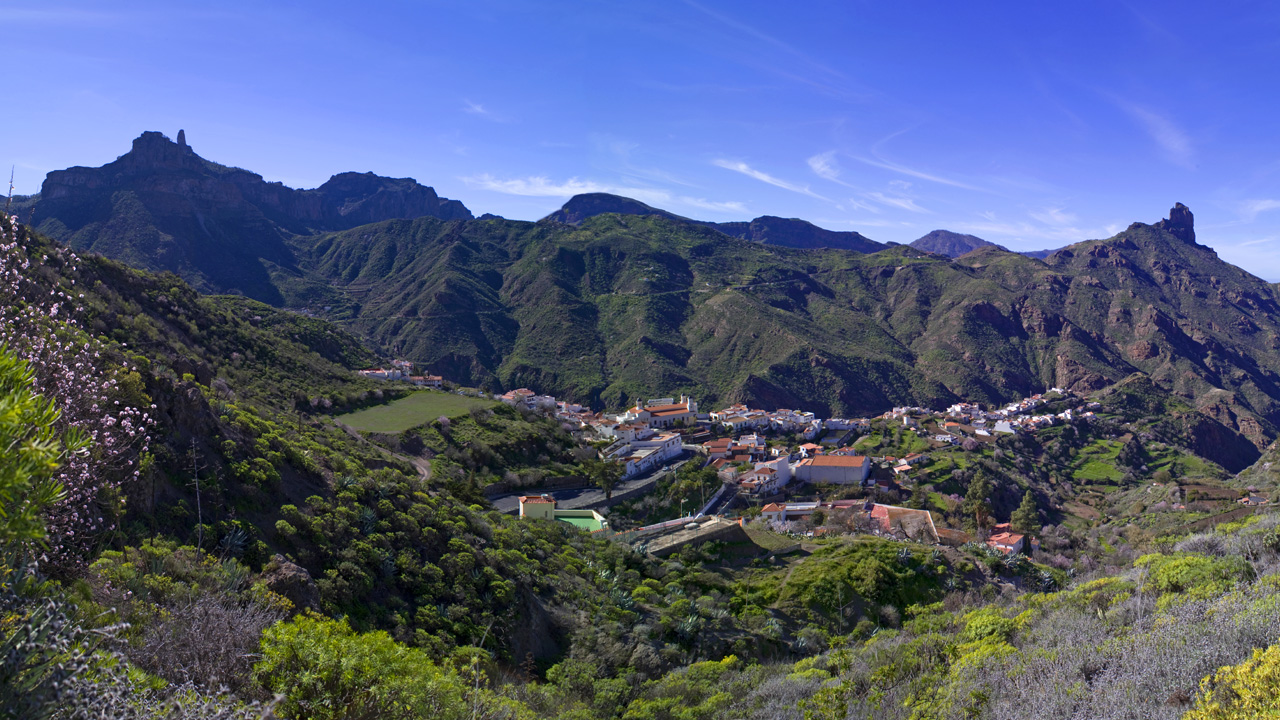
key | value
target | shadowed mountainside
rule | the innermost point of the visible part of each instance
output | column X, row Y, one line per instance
column 162, row 207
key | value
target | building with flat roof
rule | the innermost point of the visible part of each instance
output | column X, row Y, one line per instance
column 543, row 507
column 835, row 469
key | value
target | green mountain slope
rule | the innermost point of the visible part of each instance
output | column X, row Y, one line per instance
column 623, row 305
column 767, row 229
column 616, row 299
column 162, row 207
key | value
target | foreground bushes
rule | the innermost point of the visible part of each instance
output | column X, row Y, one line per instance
column 325, row 671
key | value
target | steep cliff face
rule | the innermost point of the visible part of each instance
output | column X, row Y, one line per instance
column 163, row 207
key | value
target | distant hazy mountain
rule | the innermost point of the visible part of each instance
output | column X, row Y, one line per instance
column 951, row 244
column 790, row 232
column 1039, row 254
column 766, row 229
column 162, row 207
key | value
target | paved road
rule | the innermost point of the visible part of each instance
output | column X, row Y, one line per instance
column 589, row 497
column 725, row 498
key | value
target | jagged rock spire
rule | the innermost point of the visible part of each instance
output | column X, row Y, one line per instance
column 182, row 138
column 1181, row 224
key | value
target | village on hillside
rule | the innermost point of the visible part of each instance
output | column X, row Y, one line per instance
column 762, row 457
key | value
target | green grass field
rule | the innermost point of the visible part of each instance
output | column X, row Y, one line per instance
column 417, row 409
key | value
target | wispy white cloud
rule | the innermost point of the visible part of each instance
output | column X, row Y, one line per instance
column 542, row 186
column 1259, row 241
column 824, row 166
column 1055, row 233
column 862, row 222
column 1164, row 132
column 919, row 174
column 857, row 204
column 731, row 206
column 764, row 37
column 902, row 203
column 475, row 108
column 741, row 167
column 1250, row 209
column 1054, row 216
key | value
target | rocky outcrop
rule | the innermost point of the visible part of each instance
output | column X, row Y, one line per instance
column 1180, row 224
column 293, row 582
column 163, row 207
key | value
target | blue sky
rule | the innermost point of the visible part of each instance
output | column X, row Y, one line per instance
column 1029, row 124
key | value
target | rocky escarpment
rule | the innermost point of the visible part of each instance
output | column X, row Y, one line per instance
column 163, row 207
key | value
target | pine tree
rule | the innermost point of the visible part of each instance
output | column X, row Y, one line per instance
column 1026, row 519
column 919, row 499
column 976, row 502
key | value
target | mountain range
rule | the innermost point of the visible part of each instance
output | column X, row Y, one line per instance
column 608, row 298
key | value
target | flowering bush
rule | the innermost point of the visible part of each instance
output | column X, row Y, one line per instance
column 41, row 323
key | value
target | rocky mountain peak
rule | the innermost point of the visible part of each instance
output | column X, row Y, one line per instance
column 951, row 244
column 588, row 205
column 1180, row 224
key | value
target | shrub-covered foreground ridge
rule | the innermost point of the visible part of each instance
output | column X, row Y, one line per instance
column 186, row 533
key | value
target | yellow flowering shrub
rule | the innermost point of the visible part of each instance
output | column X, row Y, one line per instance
column 1242, row 692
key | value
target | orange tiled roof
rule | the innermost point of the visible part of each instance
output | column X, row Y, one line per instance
column 681, row 407
column 839, row 461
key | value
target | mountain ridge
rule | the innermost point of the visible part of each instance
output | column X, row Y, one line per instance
column 641, row 302
column 163, row 207
column 951, row 244
column 766, row 229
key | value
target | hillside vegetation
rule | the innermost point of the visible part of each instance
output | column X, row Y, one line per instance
column 264, row 550
column 609, row 298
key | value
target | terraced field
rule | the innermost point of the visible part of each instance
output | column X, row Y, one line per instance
column 412, row 411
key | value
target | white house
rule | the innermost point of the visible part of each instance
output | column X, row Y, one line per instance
column 837, row 469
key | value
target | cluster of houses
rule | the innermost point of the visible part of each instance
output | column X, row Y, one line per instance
column 403, row 370
column 1015, row 417
column 890, row 520
column 526, row 398
column 740, row 418
column 897, row 522
column 651, row 433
